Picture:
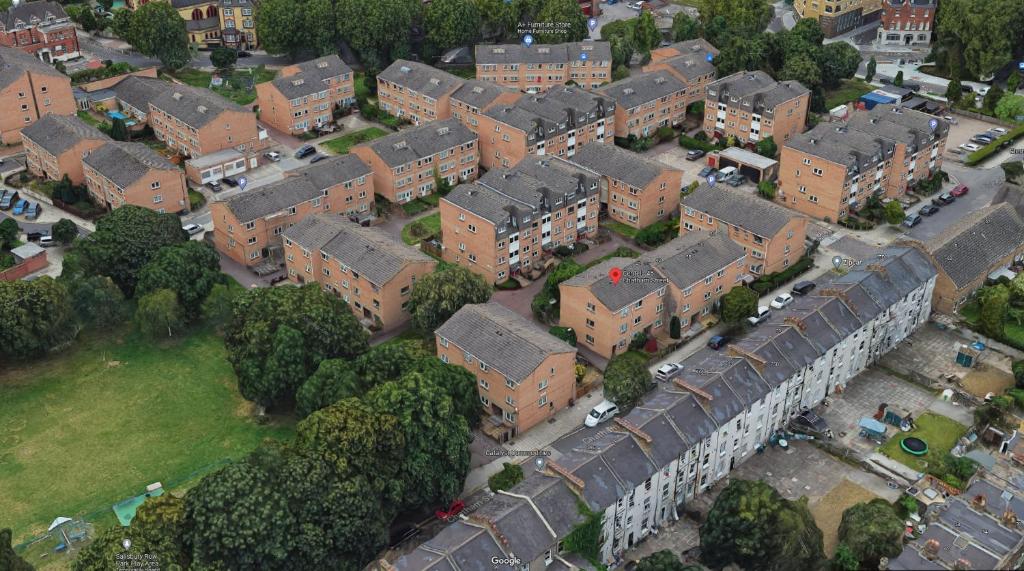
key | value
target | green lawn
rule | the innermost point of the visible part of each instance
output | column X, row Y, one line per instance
column 621, row 229
column 230, row 90
column 96, row 424
column 88, row 119
column 939, row 432
column 849, row 91
column 341, row 145
column 359, row 81
column 418, row 229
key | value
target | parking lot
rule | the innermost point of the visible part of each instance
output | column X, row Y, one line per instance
column 983, row 185
column 671, row 154
column 965, row 128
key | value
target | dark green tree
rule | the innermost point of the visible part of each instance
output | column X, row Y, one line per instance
column 510, row 475
column 64, row 231
column 159, row 312
column 995, row 303
column 320, row 27
column 985, row 33
column 626, row 380
column 898, row 80
column 225, row 58
column 992, row 98
column 894, row 213
column 219, row 305
column 675, row 327
column 684, row 27
column 389, row 361
column 9, row 560
column 663, row 560
column 457, row 383
column 158, row 31
column 378, row 31
column 738, row 304
column 954, row 90
column 767, row 147
column 803, row 69
column 333, row 381
column 646, row 36
column 839, row 61
column 872, row 530
column 119, row 130
column 9, row 232
column 35, row 316
column 87, row 20
column 279, row 25
column 1013, row 82
column 97, row 301
column 451, row 23
column 189, row 269
column 844, row 559
column 122, row 24
column 497, row 18
column 869, row 74
column 570, row 25
column 746, row 18
column 437, row 296
column 157, row 530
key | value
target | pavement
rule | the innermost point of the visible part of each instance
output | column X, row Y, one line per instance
column 983, row 184
column 785, row 18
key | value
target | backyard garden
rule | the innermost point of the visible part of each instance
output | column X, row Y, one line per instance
column 341, row 145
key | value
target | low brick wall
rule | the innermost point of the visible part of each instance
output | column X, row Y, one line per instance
column 26, row 267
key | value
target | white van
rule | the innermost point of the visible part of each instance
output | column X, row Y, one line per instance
column 726, row 173
column 602, row 412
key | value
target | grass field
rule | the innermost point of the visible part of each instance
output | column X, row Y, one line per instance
column 414, row 231
column 939, row 432
column 238, row 94
column 850, row 90
column 620, row 228
column 114, row 413
column 341, row 145
column 828, row 511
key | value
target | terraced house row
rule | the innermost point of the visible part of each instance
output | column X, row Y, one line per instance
column 539, row 67
column 687, row 434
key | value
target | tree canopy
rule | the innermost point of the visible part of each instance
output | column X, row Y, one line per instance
column 565, row 21
column 872, row 530
column 189, row 269
column 452, row 23
column 378, row 31
column 158, row 30
column 984, row 33
column 739, row 303
column 437, row 296
column 626, row 380
column 9, row 560
column 663, row 560
column 64, row 231
column 35, row 316
column 96, row 301
column 157, row 530
column 159, row 312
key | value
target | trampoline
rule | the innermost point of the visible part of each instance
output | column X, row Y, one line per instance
column 914, row 446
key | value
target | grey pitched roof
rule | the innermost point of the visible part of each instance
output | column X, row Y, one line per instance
column 542, row 53
column 369, row 251
column 620, row 164
column 125, row 163
column 642, row 88
column 422, row 78
column 480, row 201
column 974, row 245
column 639, row 280
column 139, row 91
column 193, row 106
column 697, row 46
column 311, row 76
column 14, row 63
column 535, row 185
column 754, row 89
column 519, row 523
column 694, row 256
column 479, row 94
column 301, row 185
column 32, row 13
column 58, row 133
column 739, row 208
column 557, row 110
column 691, row 66
column 415, row 143
column 502, row 339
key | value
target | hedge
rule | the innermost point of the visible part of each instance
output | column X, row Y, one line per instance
column 564, row 333
column 765, row 284
column 658, row 233
column 993, row 147
column 854, row 223
column 691, row 143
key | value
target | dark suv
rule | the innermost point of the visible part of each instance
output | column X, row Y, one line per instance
column 304, row 151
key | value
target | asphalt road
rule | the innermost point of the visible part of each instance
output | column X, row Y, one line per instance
column 983, row 184
column 43, row 228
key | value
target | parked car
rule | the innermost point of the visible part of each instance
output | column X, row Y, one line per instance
column 243, row 53
column 34, row 236
column 33, row 211
column 694, row 154
column 998, row 131
column 272, row 156
column 912, row 220
column 950, row 119
column 966, row 89
column 605, row 410
column 706, row 172
column 803, row 288
column 763, row 313
column 808, row 422
column 970, row 147
column 317, row 158
column 20, row 207
column 47, row 241
column 719, row 341
column 230, row 181
column 959, row 190
column 215, row 186
column 726, row 173
column 943, row 199
column 982, row 139
column 667, row 370
column 636, row 5
column 736, row 180
column 8, row 199
column 928, row 210
column 781, row 300
column 304, row 151
column 192, row 229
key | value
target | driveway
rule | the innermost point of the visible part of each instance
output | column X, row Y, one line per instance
column 983, row 184
column 671, row 154
column 611, row 13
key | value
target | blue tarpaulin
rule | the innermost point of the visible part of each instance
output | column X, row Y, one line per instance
column 872, row 425
column 874, row 98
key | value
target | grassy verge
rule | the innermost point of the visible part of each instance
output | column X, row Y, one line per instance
column 88, row 119
column 235, row 82
column 620, row 252
column 341, row 145
column 416, row 230
column 939, row 432
column 849, row 91
column 621, row 229
column 362, row 90
column 97, row 423
column 994, row 147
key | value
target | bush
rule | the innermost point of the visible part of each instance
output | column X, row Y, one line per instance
column 854, row 223
column 658, row 233
column 688, row 142
column 508, row 285
column 665, row 133
column 634, row 143
column 564, row 333
column 509, row 476
column 764, row 284
column 563, row 251
column 195, row 199
column 638, row 341
column 1018, row 373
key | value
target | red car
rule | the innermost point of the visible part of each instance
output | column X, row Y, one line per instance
column 959, row 190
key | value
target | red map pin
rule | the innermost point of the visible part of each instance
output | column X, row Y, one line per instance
column 615, row 274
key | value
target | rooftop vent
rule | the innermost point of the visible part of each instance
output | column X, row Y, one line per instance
column 659, row 80
column 478, row 89
column 498, row 51
column 399, row 145
column 587, row 48
column 627, row 91
column 201, row 109
column 442, row 131
column 322, row 65
column 176, row 96
column 814, row 141
column 435, row 81
column 543, row 50
column 405, row 69
column 298, row 82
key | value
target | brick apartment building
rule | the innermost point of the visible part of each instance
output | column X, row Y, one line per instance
column 55, row 145
column 371, row 271
column 688, row 62
column 196, row 122
column 751, row 106
column 771, row 236
column 510, row 220
column 839, row 16
column 475, row 96
column 247, row 227
column 524, row 374
column 42, row 29
column 304, row 96
column 416, row 92
column 554, row 123
column 238, row 24
column 29, row 89
column 684, row 278
column 540, row 67
column 406, row 164
column 118, row 173
column 134, row 94
column 831, row 170
column 907, row 22
column 645, row 102
column 638, row 191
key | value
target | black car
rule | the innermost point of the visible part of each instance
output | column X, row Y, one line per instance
column 808, row 422
column 317, row 158
column 34, row 236
column 215, row 186
column 304, row 151
column 243, row 53
column 230, row 181
column 943, row 199
column 719, row 341
column 706, row 172
column 802, row 288
column 694, row 154
column 928, row 210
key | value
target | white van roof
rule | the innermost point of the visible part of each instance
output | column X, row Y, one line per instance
column 605, row 406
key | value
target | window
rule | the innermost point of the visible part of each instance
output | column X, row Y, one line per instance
column 484, row 384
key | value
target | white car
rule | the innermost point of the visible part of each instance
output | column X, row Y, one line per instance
column 999, row 130
column 667, row 370
column 969, row 147
column 763, row 313
column 192, row 229
column 636, row 5
column 951, row 119
column 781, row 300
column 272, row 156
column 605, row 410
column 47, row 241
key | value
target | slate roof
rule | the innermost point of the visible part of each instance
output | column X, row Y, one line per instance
column 124, row 163
column 691, row 66
column 193, row 106
column 422, row 78
column 502, row 339
column 739, row 208
column 26, row 12
column 416, row 143
column 479, row 94
column 642, row 88
column 311, row 76
column 620, row 164
column 58, row 133
column 754, row 89
column 139, row 91
column 642, row 281
column 542, row 53
column 301, row 185
column 555, row 111
column 975, row 245
column 14, row 63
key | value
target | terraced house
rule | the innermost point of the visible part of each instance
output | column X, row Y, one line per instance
column 646, row 102
column 120, row 173
column 831, row 170
column 641, row 471
column 540, row 67
column 247, row 227
column 196, row 122
column 772, row 236
column 416, row 92
column 554, row 123
column 751, row 106
column 41, row 29
column 372, row 272
column 684, row 278
column 635, row 190
column 55, row 145
column 29, row 89
column 407, row 164
column 524, row 374
column 304, row 96
column 511, row 219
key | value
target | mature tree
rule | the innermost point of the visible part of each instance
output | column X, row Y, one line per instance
column 97, row 301
column 995, row 301
column 270, row 367
column 64, row 231
column 985, row 32
column 157, row 530
column 742, row 53
column 510, row 475
column 622, row 52
column 684, row 27
column 437, row 296
column 436, row 459
column 119, row 130
column 280, row 27
column 334, row 380
column 87, row 19
column 159, row 312
column 872, row 530
column 1010, row 107
column 159, row 31
column 219, row 305
column 124, row 241
column 663, row 560
column 844, row 559
column 675, row 327
column 458, row 383
column 569, row 23
column 225, row 58
column 389, row 361
column 894, row 213
column 646, row 35
column 954, row 90
column 9, row 232
column 738, row 304
column 869, row 74
column 745, row 17
column 752, row 526
column 121, row 25
column 839, row 61
column 1013, row 82
column 497, row 18
column 803, row 69
column 35, row 316
column 9, row 560
column 320, row 27
column 451, row 23
column 189, row 269
column 378, row 31
column 995, row 93
column 626, row 380
column 767, row 147
column 898, row 80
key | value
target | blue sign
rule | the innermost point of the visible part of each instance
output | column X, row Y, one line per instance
column 710, row 56
column 711, row 180
column 528, row 40
column 242, row 181
column 583, row 56
column 592, row 23
column 934, row 124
